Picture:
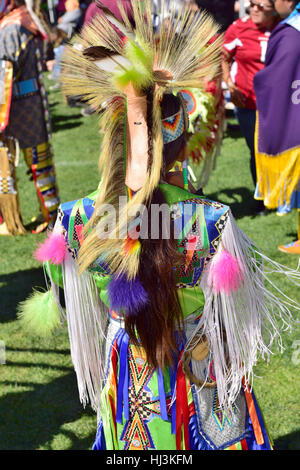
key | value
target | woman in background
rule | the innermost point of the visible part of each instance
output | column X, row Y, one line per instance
column 244, row 51
column 278, row 136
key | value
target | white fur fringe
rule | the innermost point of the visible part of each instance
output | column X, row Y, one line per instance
column 242, row 325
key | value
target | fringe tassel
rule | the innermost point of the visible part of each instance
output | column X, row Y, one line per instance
column 277, row 177
column 9, row 208
column 241, row 325
column 87, row 319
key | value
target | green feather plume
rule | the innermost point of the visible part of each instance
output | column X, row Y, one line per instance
column 140, row 74
column 39, row 314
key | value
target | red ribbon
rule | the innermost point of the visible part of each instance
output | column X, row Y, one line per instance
column 182, row 409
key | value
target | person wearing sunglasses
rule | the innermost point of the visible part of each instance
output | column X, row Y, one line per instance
column 277, row 89
column 245, row 45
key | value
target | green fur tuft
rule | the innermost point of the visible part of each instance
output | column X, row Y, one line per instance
column 140, row 74
column 141, row 56
column 39, row 314
column 131, row 76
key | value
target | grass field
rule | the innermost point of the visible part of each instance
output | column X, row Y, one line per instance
column 39, row 406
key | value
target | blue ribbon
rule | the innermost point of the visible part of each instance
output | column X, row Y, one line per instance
column 162, row 395
column 123, row 377
column 180, row 340
column 173, row 373
column 126, row 391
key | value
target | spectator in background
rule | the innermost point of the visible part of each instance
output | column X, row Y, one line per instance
column 278, row 128
column 66, row 26
column 71, row 19
column 222, row 10
column 245, row 46
column 24, row 116
column 237, row 8
column 112, row 5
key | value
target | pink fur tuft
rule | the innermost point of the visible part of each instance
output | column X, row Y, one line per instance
column 53, row 249
column 225, row 273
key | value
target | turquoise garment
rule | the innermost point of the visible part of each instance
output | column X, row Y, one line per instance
column 294, row 18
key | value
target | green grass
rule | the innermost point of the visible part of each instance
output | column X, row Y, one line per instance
column 39, row 405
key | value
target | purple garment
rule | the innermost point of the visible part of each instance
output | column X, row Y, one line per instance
column 112, row 5
column 278, row 111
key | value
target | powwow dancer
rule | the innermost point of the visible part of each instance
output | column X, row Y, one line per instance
column 167, row 315
column 24, row 115
column 277, row 143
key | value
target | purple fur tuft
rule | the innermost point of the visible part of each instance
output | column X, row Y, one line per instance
column 126, row 295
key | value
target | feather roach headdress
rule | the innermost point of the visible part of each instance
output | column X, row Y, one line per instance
column 111, row 57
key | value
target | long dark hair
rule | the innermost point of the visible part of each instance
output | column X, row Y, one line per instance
column 155, row 325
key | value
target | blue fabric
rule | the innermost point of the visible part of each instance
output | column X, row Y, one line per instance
column 196, row 441
column 200, row 441
column 58, row 54
column 251, row 441
column 285, row 208
column 172, row 373
column 213, row 212
column 67, row 209
column 99, row 443
column 294, row 204
column 25, row 87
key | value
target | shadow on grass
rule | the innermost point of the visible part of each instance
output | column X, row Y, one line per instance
column 240, row 200
column 233, row 131
column 53, row 104
column 16, row 287
column 59, row 123
column 289, row 442
column 31, row 419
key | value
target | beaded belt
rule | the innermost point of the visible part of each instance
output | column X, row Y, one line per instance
column 25, row 87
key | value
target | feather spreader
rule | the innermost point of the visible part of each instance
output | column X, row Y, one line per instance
column 39, row 314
